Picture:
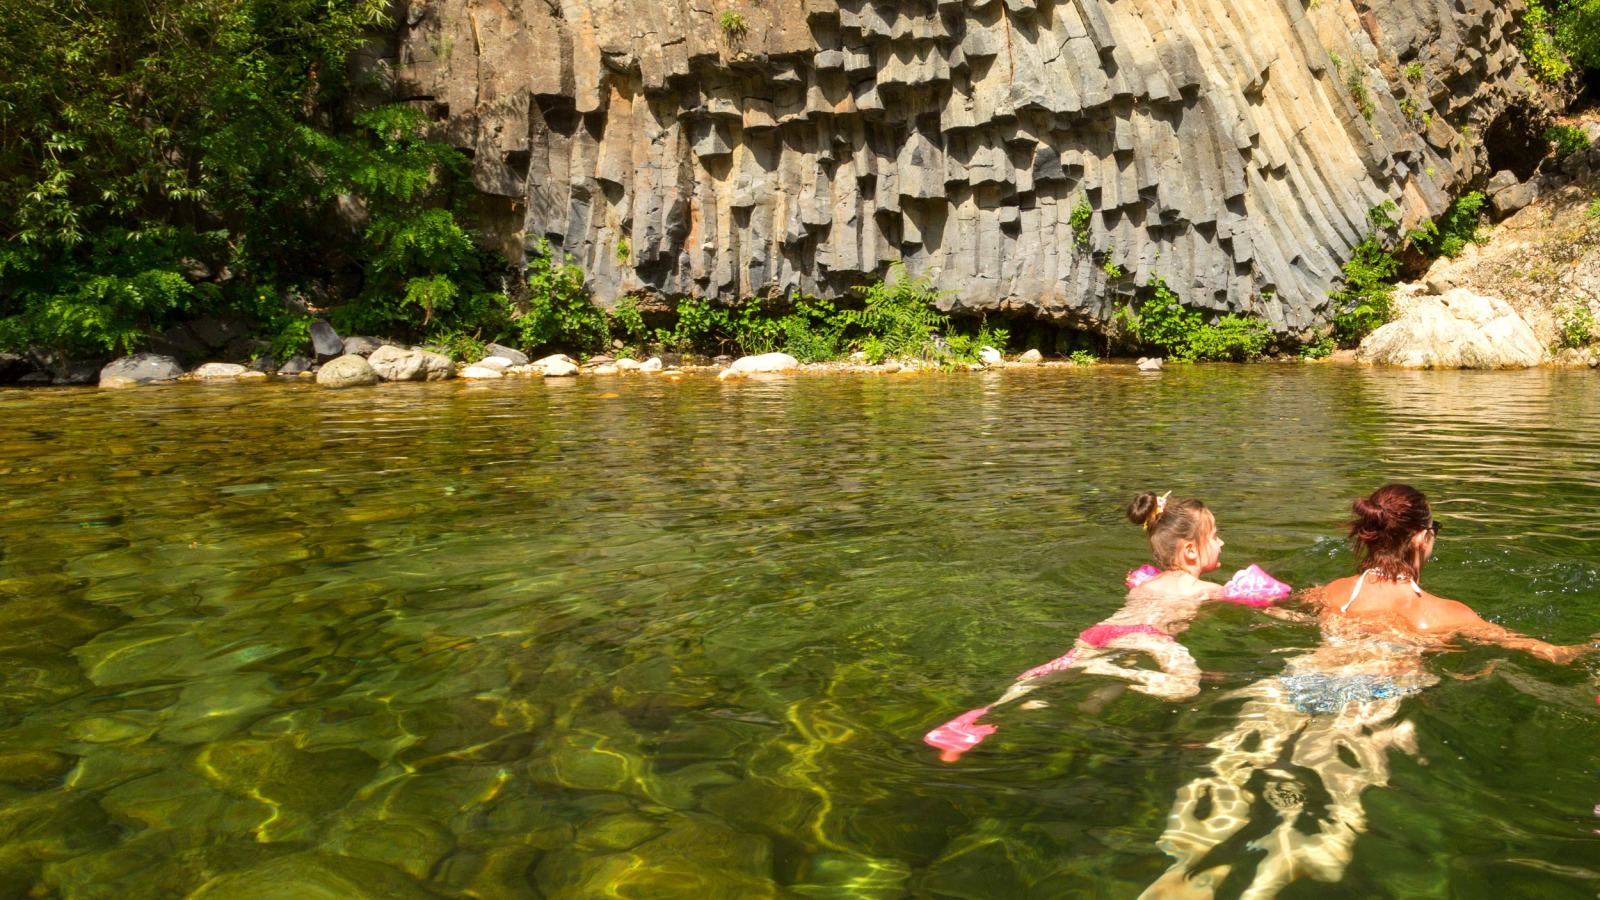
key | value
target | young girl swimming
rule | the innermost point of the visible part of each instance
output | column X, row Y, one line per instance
column 1160, row 605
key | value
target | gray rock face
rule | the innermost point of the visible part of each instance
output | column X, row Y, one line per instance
column 13, row 366
column 346, row 371
column 181, row 344
column 294, row 365
column 143, row 368
column 325, row 342
column 1510, row 199
column 517, row 357
column 1217, row 147
column 364, row 346
column 220, row 370
column 398, row 364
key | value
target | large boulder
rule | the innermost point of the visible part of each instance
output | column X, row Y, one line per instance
column 556, row 368
column 217, row 331
column 325, row 342
column 517, row 357
column 13, row 366
column 296, row 365
column 142, row 368
column 180, row 343
column 766, row 362
column 399, row 364
column 346, row 371
column 1457, row 330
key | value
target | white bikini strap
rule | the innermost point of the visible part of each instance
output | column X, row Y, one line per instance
column 1362, row 579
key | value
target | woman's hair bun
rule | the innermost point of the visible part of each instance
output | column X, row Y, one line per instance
column 1144, row 509
column 1372, row 519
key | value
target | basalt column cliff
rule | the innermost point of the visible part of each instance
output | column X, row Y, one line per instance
column 739, row 148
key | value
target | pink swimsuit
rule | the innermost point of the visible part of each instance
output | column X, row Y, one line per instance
column 1249, row 586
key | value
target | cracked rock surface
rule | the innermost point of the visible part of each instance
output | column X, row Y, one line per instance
column 1230, row 147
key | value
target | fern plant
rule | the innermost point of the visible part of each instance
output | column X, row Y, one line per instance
column 899, row 315
column 733, row 24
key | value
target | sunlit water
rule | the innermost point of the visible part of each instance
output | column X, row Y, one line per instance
column 652, row 640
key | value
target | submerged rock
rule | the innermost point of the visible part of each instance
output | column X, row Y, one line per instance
column 1459, row 330
column 1152, row 364
column 314, row 875
column 346, row 371
column 142, row 368
column 1572, row 358
column 398, row 364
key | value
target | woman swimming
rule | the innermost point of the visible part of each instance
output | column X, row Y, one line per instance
column 1160, row 605
column 1328, row 713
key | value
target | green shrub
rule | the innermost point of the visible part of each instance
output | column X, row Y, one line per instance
column 1538, row 45
column 899, row 315
column 624, row 252
column 733, row 24
column 560, row 314
column 1082, row 212
column 1363, row 302
column 965, row 347
column 1413, row 72
column 1320, row 348
column 1451, row 233
column 1357, row 86
column 814, row 332
column 627, row 323
column 1083, row 358
column 1567, row 140
column 1576, row 326
column 1164, row 324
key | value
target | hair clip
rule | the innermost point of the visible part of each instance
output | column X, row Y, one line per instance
column 1161, row 503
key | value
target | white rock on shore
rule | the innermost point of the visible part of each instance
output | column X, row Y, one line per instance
column 558, row 368
column 989, row 356
column 1032, row 356
column 216, row 370
column 399, row 364
column 1458, row 330
column 476, row 372
column 627, row 365
column 497, row 363
column 653, row 364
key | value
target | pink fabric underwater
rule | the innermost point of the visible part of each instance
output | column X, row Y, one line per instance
column 960, row 734
column 1253, row 587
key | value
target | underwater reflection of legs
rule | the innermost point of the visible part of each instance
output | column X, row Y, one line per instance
column 1346, row 750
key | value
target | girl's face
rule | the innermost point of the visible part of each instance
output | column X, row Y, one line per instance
column 1204, row 555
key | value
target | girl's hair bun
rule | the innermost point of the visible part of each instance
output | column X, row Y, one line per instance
column 1145, row 509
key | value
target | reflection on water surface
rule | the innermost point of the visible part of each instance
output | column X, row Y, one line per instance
column 528, row 641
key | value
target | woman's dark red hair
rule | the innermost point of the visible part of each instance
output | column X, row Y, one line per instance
column 1383, row 527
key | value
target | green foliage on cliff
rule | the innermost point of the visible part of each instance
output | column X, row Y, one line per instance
column 1362, row 303
column 1162, row 323
column 1567, row 140
column 1576, row 326
column 168, row 158
column 1460, row 225
column 1558, row 34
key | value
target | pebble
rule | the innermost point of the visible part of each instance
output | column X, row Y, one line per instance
column 892, row 367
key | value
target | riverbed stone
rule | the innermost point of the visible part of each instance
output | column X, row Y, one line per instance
column 605, row 370
column 34, row 768
column 314, row 875
column 295, row 365
column 480, row 372
column 325, row 342
column 266, row 365
column 497, row 363
column 553, row 358
column 346, row 371
column 399, row 364
column 516, row 357
column 412, row 844
column 627, row 364
column 559, row 369
column 1458, row 330
column 143, row 368
column 989, row 356
column 653, row 364
column 1150, row 364
column 219, row 370
column 1574, row 358
column 1033, row 357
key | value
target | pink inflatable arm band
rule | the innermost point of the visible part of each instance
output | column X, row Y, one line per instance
column 1249, row 586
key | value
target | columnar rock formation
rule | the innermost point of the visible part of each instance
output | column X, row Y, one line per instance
column 738, row 148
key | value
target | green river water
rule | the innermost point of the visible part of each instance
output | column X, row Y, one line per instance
column 667, row 641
